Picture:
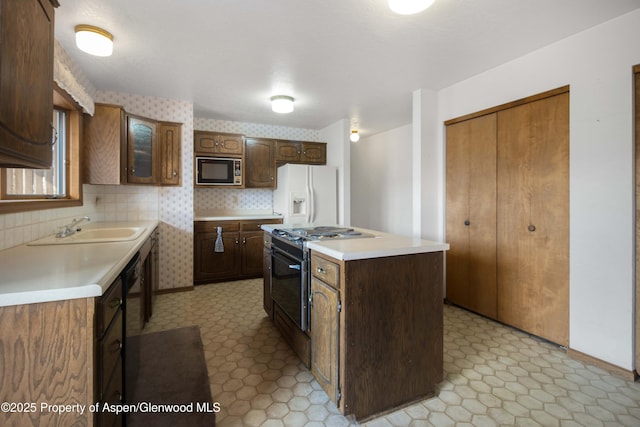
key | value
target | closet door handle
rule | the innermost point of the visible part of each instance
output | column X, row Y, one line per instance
column 531, row 228
column 466, row 222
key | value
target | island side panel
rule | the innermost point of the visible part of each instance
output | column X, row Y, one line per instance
column 393, row 326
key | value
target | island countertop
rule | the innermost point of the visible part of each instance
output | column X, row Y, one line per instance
column 381, row 245
column 33, row 274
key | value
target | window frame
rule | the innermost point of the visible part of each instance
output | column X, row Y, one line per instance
column 20, row 203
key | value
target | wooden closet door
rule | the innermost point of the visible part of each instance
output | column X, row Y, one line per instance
column 533, row 217
column 471, row 214
column 636, row 70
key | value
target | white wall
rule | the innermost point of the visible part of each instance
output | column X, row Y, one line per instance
column 381, row 176
column 336, row 135
column 597, row 64
column 432, row 161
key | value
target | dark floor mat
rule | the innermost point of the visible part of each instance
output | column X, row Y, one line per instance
column 173, row 376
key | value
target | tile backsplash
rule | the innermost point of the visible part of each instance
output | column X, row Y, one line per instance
column 230, row 199
column 100, row 203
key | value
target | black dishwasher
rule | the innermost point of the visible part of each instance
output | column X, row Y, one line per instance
column 132, row 325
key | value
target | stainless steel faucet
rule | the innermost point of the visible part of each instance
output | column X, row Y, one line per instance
column 72, row 227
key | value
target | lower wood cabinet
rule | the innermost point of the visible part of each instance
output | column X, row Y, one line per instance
column 325, row 326
column 374, row 324
column 150, row 275
column 48, row 356
column 242, row 256
column 267, row 301
column 108, row 373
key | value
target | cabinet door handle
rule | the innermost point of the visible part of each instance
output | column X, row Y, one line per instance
column 244, row 240
column 133, row 171
column 237, row 241
column 531, row 228
column 321, row 270
column 116, row 303
column 467, row 222
column 116, row 346
column 175, row 173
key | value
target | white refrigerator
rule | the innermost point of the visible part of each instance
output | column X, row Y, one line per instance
column 307, row 194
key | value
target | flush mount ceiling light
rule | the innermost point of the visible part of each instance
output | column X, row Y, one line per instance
column 409, row 7
column 94, row 40
column 282, row 103
column 355, row 136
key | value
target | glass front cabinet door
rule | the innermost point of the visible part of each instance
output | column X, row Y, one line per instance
column 142, row 153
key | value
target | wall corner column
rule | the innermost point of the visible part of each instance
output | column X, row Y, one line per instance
column 428, row 166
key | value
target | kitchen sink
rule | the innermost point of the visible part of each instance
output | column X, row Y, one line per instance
column 93, row 235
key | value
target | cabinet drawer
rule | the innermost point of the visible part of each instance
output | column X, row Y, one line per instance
column 254, row 225
column 112, row 395
column 211, row 226
column 110, row 349
column 299, row 341
column 327, row 271
column 108, row 306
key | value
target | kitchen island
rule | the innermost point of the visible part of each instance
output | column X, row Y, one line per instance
column 375, row 332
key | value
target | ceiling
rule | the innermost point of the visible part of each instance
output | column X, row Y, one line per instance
column 340, row 59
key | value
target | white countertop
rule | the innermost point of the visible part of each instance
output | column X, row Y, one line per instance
column 381, row 245
column 225, row 215
column 32, row 274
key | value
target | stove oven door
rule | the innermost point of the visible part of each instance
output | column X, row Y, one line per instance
column 289, row 286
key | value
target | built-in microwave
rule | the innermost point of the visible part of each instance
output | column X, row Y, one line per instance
column 218, row 171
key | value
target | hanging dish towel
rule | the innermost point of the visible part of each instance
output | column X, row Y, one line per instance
column 219, row 246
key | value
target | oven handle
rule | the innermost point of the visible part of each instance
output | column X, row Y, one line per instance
column 288, row 256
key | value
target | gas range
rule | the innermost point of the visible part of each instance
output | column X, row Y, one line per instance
column 298, row 235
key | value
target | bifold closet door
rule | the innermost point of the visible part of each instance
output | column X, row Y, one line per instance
column 636, row 70
column 533, row 217
column 471, row 214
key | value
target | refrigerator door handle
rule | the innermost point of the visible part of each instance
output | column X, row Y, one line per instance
column 310, row 213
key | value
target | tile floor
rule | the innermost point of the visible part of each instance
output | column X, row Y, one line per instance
column 494, row 375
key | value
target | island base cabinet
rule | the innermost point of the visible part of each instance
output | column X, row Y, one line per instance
column 393, row 332
column 384, row 321
column 325, row 313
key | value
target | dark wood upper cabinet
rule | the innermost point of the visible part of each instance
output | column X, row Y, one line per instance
column 260, row 163
column 120, row 148
column 217, row 143
column 142, row 151
column 314, row 153
column 26, row 82
column 170, row 147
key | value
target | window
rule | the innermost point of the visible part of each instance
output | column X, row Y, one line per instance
column 58, row 186
column 41, row 183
